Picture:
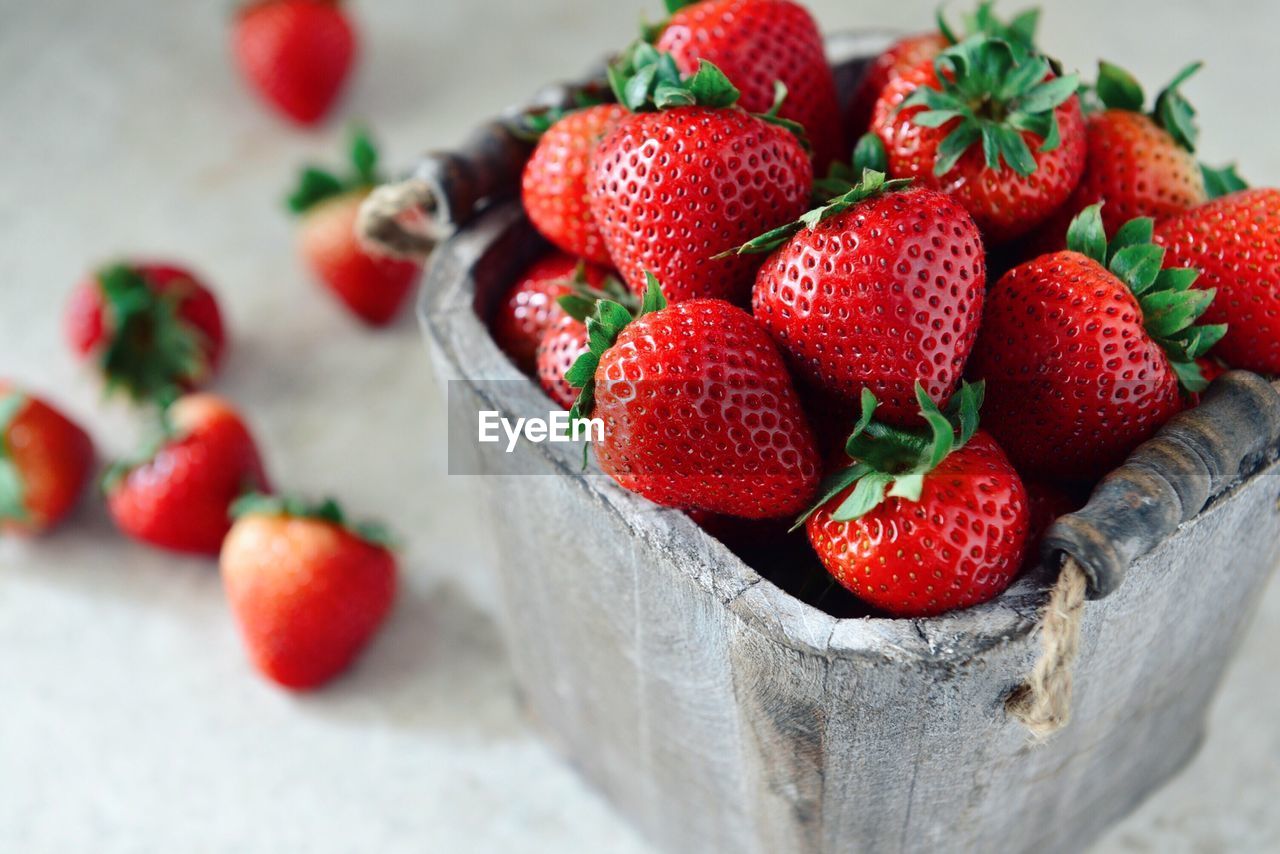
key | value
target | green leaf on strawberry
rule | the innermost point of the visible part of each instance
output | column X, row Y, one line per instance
column 580, row 302
column 327, row 510
column 316, row 185
column 152, row 348
column 643, row 79
column 1222, row 182
column 1021, row 30
column 890, row 462
column 1117, row 89
column 605, row 323
column 12, row 491
column 1170, row 305
column 872, row 184
column 993, row 90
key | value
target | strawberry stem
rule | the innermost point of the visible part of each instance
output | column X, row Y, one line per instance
column 326, row 510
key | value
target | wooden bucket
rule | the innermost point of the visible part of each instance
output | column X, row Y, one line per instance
column 720, row 713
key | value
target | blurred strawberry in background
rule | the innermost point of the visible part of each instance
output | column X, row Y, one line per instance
column 177, row 493
column 297, row 54
column 45, row 461
column 153, row 330
column 372, row 286
column 308, row 588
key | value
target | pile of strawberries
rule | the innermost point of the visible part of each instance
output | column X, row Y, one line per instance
column 822, row 306
column 308, row 587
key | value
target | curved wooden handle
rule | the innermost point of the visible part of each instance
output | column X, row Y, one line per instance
column 1168, row 480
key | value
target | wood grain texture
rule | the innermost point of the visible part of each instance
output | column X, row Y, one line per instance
column 719, row 713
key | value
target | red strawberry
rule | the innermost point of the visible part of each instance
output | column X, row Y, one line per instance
column 308, row 589
column 554, row 188
column 757, row 44
column 372, row 286
column 1234, row 242
column 990, row 124
column 1083, row 350
column 296, row 53
column 923, row 524
column 697, row 407
column 152, row 329
column 45, row 461
column 531, row 308
column 674, row 189
column 879, row 289
column 1138, row 164
column 564, row 342
column 178, row 495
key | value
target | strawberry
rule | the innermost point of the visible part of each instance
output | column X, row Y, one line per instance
column 878, row 289
column 45, row 461
column 531, row 307
column 674, row 188
column 153, row 330
column 1139, row 164
column 372, row 286
column 697, row 407
column 554, row 187
column 296, row 53
column 176, row 495
column 922, row 523
column 1234, row 242
column 567, row 339
column 308, row 589
column 991, row 124
column 1083, row 351
column 912, row 51
column 757, row 44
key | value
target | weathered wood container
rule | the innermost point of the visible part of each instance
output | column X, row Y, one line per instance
column 720, row 713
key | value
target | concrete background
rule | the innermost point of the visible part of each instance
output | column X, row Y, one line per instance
column 130, row 720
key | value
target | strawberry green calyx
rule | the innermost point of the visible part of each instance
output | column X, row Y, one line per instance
column 580, row 302
column 1170, row 306
column 1021, row 30
column 868, row 154
column 606, row 322
column 1117, row 89
column 316, row 185
column 1222, row 182
column 12, row 490
column 150, row 350
column 644, row 80
column 872, row 184
column 890, row 462
column 996, row 90
column 293, row 507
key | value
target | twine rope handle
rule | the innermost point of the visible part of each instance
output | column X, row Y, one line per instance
column 1043, row 703
column 387, row 213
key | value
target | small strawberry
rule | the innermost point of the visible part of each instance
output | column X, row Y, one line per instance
column 916, row 50
column 1139, row 164
column 307, row 588
column 674, row 188
column 554, row 187
column 698, row 409
column 1234, row 242
column 1083, row 351
column 881, row 288
column 372, row 286
column 921, row 524
column 153, row 330
column 531, row 306
column 296, row 53
column 567, row 339
column 991, row 124
column 177, row 494
column 757, row 44
column 45, row 461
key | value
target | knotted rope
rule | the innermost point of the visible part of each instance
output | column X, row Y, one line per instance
column 1043, row 703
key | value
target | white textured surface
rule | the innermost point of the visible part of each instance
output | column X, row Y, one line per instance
column 130, row 721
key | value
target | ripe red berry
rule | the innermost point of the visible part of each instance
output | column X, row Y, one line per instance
column 45, row 461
